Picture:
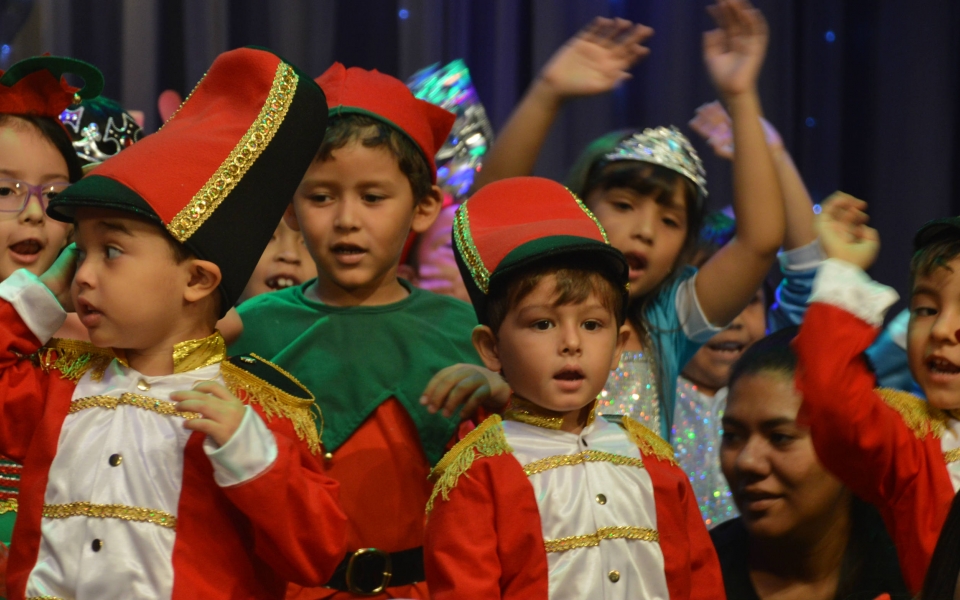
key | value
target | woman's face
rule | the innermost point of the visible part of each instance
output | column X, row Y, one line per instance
column 768, row 459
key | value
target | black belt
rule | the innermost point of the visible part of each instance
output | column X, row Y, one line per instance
column 368, row 571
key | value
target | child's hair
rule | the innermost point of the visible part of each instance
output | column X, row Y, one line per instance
column 53, row 132
column 576, row 280
column 931, row 257
column 718, row 228
column 374, row 133
column 772, row 354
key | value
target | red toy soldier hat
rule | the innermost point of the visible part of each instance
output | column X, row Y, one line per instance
column 512, row 224
column 220, row 173
column 35, row 86
column 387, row 99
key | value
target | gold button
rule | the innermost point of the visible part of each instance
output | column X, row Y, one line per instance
column 601, row 499
column 328, row 456
column 143, row 385
column 96, row 545
column 614, row 576
column 115, row 460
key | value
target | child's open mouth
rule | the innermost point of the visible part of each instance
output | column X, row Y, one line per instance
column 637, row 263
column 348, row 254
column 88, row 313
column 281, row 282
column 942, row 366
column 26, row 251
column 727, row 347
column 570, row 378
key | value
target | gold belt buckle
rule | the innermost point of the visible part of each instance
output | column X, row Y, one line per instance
column 387, row 572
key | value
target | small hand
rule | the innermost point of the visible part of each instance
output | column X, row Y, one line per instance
column 467, row 385
column 713, row 123
column 59, row 277
column 734, row 52
column 597, row 58
column 844, row 234
column 222, row 411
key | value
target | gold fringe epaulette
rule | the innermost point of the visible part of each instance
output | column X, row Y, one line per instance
column 74, row 358
column 649, row 442
column 917, row 414
column 487, row 439
column 8, row 506
column 274, row 401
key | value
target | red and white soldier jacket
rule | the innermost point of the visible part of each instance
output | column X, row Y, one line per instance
column 522, row 510
column 119, row 500
column 889, row 447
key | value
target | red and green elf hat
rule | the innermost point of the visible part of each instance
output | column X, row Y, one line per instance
column 35, row 86
column 512, row 224
column 221, row 171
column 387, row 99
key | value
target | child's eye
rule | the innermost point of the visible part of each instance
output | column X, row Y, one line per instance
column 592, row 325
column 112, row 252
column 542, row 325
column 924, row 311
column 622, row 206
column 672, row 223
column 320, row 198
column 81, row 255
column 729, row 437
column 372, row 198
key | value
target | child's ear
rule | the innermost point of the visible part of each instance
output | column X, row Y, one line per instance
column 290, row 218
column 485, row 341
column 622, row 336
column 427, row 210
column 204, row 279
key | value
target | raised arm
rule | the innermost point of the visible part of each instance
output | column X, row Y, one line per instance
column 712, row 122
column 734, row 55
column 592, row 62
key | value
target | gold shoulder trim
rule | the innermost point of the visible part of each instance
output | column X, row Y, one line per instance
column 8, row 506
column 570, row 460
column 487, row 439
column 274, row 401
column 74, row 358
column 649, row 442
column 916, row 413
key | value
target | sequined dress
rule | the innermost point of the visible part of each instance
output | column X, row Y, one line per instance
column 696, row 441
column 631, row 390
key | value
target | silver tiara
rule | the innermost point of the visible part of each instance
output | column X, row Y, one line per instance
column 667, row 147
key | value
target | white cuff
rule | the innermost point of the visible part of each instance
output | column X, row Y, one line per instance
column 250, row 451
column 847, row 286
column 34, row 302
column 803, row 258
column 695, row 324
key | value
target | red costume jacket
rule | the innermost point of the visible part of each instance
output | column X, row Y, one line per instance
column 244, row 540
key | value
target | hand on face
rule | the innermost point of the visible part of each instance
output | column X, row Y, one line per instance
column 734, row 52
column 597, row 58
column 222, row 411
column 59, row 277
column 843, row 231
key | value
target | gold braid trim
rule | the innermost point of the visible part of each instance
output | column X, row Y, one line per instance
column 275, row 401
column 258, row 136
column 8, row 506
column 161, row 407
column 649, row 442
column 916, row 413
column 110, row 511
column 487, row 439
column 74, row 358
column 623, row 532
column 468, row 250
column 951, row 456
column 569, row 460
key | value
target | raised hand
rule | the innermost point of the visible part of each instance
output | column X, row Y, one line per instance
column 597, row 58
column 844, row 234
column 734, row 52
column 712, row 122
column 59, row 277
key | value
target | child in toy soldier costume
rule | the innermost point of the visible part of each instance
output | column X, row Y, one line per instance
column 154, row 466
column 552, row 502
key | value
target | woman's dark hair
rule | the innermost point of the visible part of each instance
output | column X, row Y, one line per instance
column 941, row 581
column 770, row 354
column 53, row 131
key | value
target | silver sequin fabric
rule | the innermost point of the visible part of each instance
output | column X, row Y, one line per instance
column 631, row 390
column 696, row 441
